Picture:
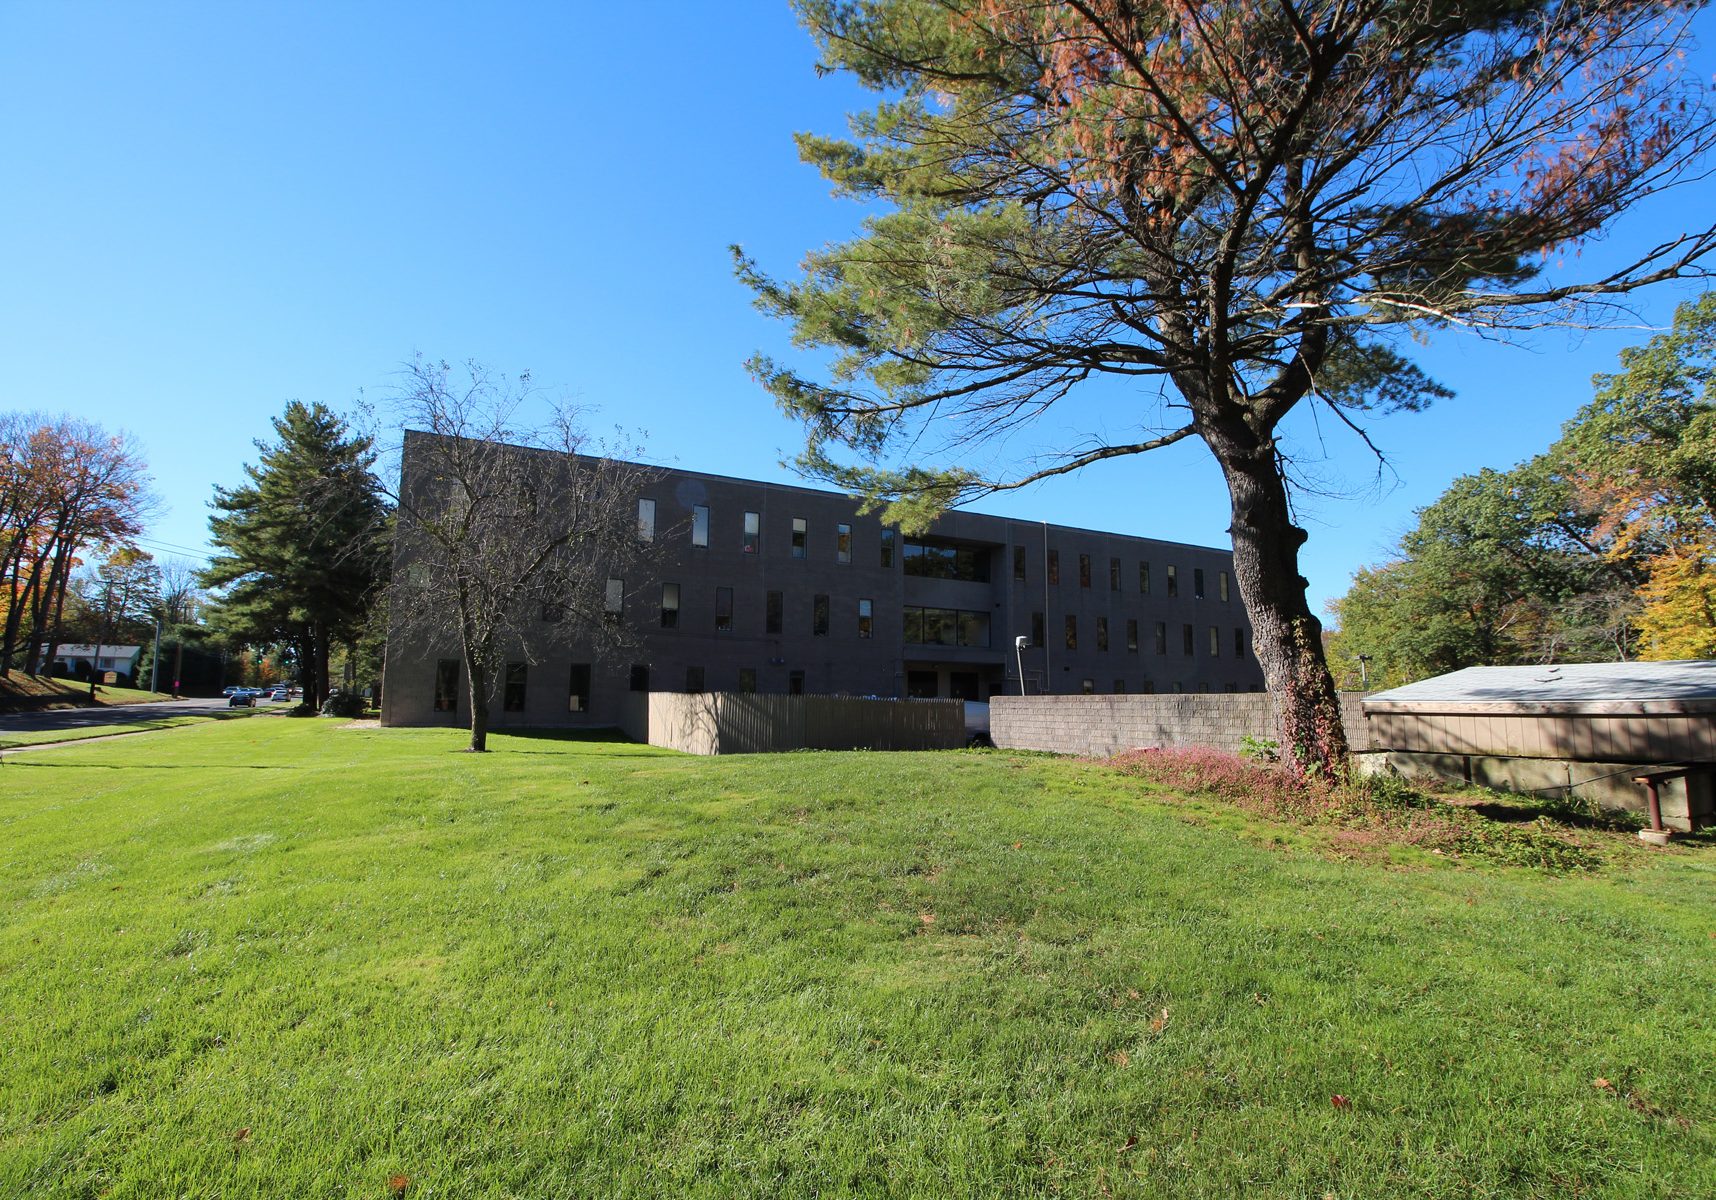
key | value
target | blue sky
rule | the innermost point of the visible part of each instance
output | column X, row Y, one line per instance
column 212, row 209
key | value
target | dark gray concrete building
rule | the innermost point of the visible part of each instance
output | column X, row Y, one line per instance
column 781, row 589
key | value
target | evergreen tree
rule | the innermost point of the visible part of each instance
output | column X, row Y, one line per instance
column 302, row 543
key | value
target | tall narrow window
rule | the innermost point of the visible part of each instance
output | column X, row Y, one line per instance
column 1197, row 583
column 1239, row 643
column 646, row 520
column 1054, row 568
column 446, row 685
column 866, row 619
column 1161, row 637
column 693, row 679
column 753, row 533
column 1143, row 578
column 699, row 524
column 795, row 683
column 1019, row 564
column 819, row 616
column 1188, row 640
column 1084, row 570
column 747, row 679
column 772, row 609
column 1215, row 642
column 1221, row 586
column 640, row 678
column 724, row 609
column 670, row 606
column 578, row 688
column 843, row 543
column 1114, row 574
column 512, row 698
column 1102, row 633
column 1132, row 634
column 1072, row 632
column 1038, row 634
column 800, row 537
column 1119, row 687
column 888, row 536
column 614, row 599
column 1173, row 580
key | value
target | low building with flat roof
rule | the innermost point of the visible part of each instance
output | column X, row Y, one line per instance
column 772, row 588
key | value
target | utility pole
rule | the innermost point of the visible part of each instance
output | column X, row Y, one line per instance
column 155, row 667
column 101, row 637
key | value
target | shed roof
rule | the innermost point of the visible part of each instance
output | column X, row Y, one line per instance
column 1641, row 686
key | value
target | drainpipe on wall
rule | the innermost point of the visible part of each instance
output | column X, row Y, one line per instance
column 1048, row 673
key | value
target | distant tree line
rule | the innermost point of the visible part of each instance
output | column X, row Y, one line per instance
column 1601, row 548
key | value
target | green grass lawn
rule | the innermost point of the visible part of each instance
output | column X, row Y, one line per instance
column 282, row 958
column 21, row 691
column 41, row 737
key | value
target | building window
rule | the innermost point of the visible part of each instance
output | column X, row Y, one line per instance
column 1173, row 580
column 772, row 607
column 800, row 538
column 888, row 548
column 1072, row 632
column 640, row 678
column 1038, row 635
column 1143, row 578
column 843, row 543
column 1088, row 687
column 1178, row 688
column 1132, row 634
column 553, row 612
column 795, row 683
column 1221, row 585
column 446, row 685
column 866, row 619
column 931, row 560
column 753, row 533
column 1054, row 568
column 1019, row 564
column 1149, row 687
column 1114, row 574
column 700, row 525
column 945, row 627
column 578, row 689
column 724, row 609
column 1197, row 583
column 1239, row 643
column 693, row 680
column 512, row 697
column 1215, row 642
column 819, row 616
column 1102, row 633
column 1161, row 637
column 1188, row 640
column 1119, row 687
column 646, row 520
column 670, row 606
column 1084, row 570
column 747, row 679
column 614, row 599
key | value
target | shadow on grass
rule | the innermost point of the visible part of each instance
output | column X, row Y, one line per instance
column 13, row 763
column 1523, row 810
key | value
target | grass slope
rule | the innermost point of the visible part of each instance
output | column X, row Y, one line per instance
column 278, row 958
column 21, row 692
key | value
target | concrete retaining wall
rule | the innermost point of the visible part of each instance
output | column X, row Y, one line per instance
column 747, row 723
column 1104, row 725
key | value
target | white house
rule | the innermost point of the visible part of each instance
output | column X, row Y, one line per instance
column 123, row 659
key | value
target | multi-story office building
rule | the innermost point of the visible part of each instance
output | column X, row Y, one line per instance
column 771, row 588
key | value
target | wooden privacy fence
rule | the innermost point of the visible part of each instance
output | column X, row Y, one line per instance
column 746, row 723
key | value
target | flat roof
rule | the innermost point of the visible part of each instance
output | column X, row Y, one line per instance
column 1568, row 685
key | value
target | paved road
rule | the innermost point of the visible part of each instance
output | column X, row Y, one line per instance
column 121, row 714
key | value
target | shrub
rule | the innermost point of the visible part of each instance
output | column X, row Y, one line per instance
column 343, row 704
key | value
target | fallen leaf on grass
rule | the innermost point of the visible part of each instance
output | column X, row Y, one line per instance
column 1340, row 1102
column 1159, row 1023
column 1121, row 1058
column 398, row 1183
column 927, row 918
column 1131, row 1141
column 1602, row 1085
column 1018, row 845
column 242, row 1136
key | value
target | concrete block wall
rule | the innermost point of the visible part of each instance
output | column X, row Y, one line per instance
column 1099, row 726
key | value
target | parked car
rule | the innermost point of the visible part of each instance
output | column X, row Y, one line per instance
column 241, row 698
column 230, row 689
column 280, row 693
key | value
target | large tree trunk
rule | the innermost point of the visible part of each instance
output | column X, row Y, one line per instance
column 1286, row 637
column 476, row 672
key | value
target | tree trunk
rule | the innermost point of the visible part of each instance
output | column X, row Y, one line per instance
column 477, row 674
column 1286, row 636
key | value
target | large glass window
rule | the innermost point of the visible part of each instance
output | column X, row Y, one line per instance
column 1072, row 632
column 772, row 609
column 1215, row 642
column 819, row 616
column 699, row 524
column 1084, row 570
column 614, row 597
column 512, row 697
column 866, row 619
column 578, row 688
column 1114, row 574
column 670, row 606
column 1173, row 580
column 1132, row 634
column 1239, row 643
column 1198, row 583
column 1221, row 586
column 1143, row 578
column 934, row 560
column 724, row 609
column 446, row 685
column 946, row 627
column 1102, row 633
column 800, row 537
column 843, row 543
column 753, row 532
column 646, row 520
column 1161, row 637
column 888, row 536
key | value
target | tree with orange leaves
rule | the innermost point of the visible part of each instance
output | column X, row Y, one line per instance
column 1246, row 205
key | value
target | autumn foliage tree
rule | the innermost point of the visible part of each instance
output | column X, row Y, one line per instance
column 1242, row 205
